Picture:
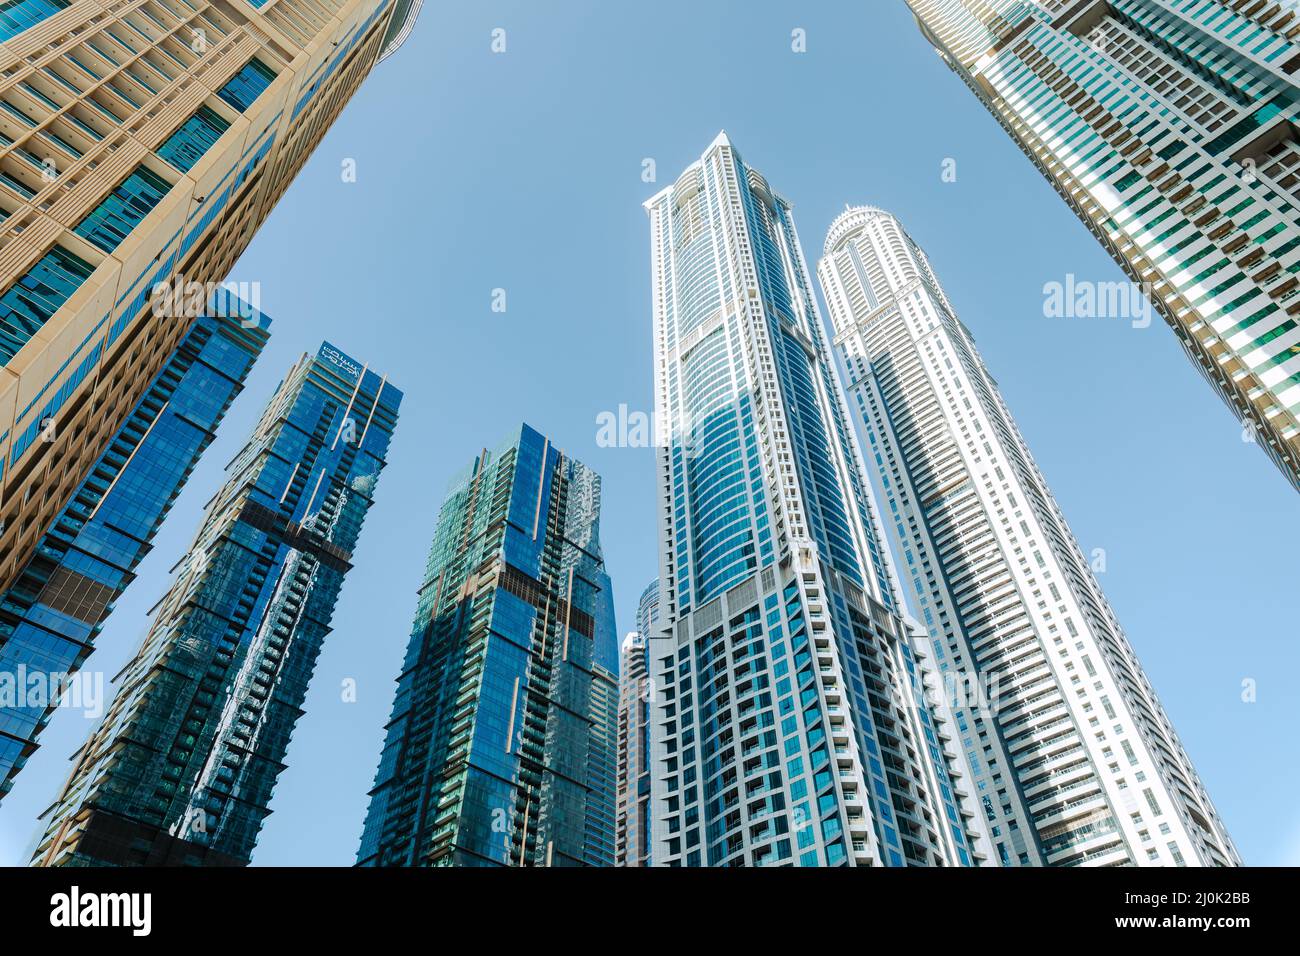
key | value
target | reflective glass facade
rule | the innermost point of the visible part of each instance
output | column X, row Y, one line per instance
column 17, row 15
column 1172, row 129
column 786, row 724
column 633, row 843
column 28, row 303
column 500, row 750
column 247, row 85
column 192, row 139
column 51, row 616
column 122, row 210
column 182, row 768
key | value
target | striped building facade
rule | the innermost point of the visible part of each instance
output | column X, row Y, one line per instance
column 1170, row 128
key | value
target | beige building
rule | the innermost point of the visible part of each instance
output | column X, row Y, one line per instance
column 141, row 142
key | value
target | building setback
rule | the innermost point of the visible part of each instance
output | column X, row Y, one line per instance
column 787, row 720
column 181, row 769
column 501, row 747
column 1074, row 759
column 53, row 613
column 1170, row 129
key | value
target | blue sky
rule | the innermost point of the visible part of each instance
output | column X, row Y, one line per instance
column 522, row 171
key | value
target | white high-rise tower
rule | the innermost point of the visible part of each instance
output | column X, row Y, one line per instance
column 1075, row 762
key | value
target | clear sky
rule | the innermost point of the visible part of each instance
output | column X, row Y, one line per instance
column 522, row 171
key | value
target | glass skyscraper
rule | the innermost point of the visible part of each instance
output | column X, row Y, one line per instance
column 501, row 748
column 181, row 769
column 633, row 844
column 788, row 723
column 140, row 145
column 52, row 614
column 1074, row 759
column 1171, row 130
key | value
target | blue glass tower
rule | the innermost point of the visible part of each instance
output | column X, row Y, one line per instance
column 51, row 616
column 788, row 724
column 501, row 746
column 181, row 770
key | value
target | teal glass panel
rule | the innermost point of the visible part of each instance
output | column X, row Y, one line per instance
column 33, row 299
column 17, row 15
column 192, row 139
column 247, row 85
column 122, row 210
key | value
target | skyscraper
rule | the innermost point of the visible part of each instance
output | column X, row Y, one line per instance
column 51, row 616
column 181, row 769
column 1170, row 130
column 787, row 723
column 1075, row 761
column 633, row 844
column 139, row 146
column 501, row 747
